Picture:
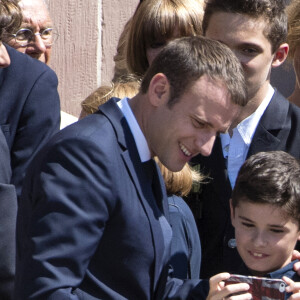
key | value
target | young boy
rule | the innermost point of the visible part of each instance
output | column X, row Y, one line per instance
column 265, row 212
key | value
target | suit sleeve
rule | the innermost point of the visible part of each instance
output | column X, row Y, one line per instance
column 191, row 289
column 8, row 212
column 65, row 204
column 40, row 119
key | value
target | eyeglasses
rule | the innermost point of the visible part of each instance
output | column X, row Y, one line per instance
column 24, row 36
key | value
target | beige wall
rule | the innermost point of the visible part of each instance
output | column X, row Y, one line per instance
column 83, row 55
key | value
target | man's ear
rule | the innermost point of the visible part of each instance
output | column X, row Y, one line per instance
column 231, row 212
column 280, row 55
column 159, row 89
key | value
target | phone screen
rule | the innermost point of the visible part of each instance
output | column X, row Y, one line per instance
column 260, row 287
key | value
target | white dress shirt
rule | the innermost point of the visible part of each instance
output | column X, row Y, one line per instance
column 235, row 148
column 139, row 138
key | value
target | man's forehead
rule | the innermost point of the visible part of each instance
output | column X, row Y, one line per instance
column 35, row 9
column 237, row 21
column 29, row 6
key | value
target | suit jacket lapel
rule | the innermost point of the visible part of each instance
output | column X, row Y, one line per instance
column 267, row 134
column 133, row 164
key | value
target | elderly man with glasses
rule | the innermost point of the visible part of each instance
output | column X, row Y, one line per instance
column 36, row 35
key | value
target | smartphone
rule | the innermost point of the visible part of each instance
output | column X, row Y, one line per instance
column 260, row 287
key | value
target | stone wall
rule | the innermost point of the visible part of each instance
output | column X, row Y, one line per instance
column 83, row 55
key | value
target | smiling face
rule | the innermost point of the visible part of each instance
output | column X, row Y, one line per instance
column 176, row 134
column 265, row 236
column 36, row 18
column 245, row 36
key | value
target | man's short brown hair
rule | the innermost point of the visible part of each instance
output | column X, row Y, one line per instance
column 186, row 59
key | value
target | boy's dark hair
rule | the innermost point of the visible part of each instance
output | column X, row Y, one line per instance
column 273, row 12
column 270, row 178
column 186, row 59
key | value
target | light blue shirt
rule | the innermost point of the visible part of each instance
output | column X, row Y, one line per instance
column 235, row 148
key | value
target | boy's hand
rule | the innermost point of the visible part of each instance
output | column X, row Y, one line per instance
column 293, row 287
column 218, row 290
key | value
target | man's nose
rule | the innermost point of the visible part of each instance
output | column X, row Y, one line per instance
column 205, row 143
column 39, row 43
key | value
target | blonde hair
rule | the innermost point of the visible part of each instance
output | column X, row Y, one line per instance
column 179, row 183
column 128, row 87
column 121, row 68
column 157, row 21
column 293, row 38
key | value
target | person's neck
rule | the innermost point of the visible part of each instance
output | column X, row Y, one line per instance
column 253, row 103
column 295, row 97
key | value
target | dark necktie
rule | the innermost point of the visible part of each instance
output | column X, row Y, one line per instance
column 151, row 171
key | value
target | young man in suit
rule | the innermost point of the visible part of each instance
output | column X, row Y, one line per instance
column 93, row 220
column 256, row 32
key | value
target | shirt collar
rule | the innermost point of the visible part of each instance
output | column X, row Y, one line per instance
column 248, row 126
column 285, row 271
column 139, row 138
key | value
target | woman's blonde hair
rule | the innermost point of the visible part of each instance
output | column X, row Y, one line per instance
column 179, row 183
column 293, row 38
column 158, row 21
column 121, row 68
column 127, row 86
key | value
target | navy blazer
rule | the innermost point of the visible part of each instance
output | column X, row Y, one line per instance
column 29, row 109
column 278, row 129
column 8, row 214
column 86, row 227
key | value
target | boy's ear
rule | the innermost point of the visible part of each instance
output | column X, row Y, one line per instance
column 159, row 89
column 280, row 55
column 231, row 212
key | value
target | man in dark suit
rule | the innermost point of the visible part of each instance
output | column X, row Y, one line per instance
column 29, row 109
column 256, row 32
column 22, row 83
column 8, row 215
column 93, row 218
column 29, row 101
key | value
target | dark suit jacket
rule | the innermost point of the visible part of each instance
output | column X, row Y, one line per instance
column 29, row 109
column 8, row 214
column 278, row 129
column 87, row 227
